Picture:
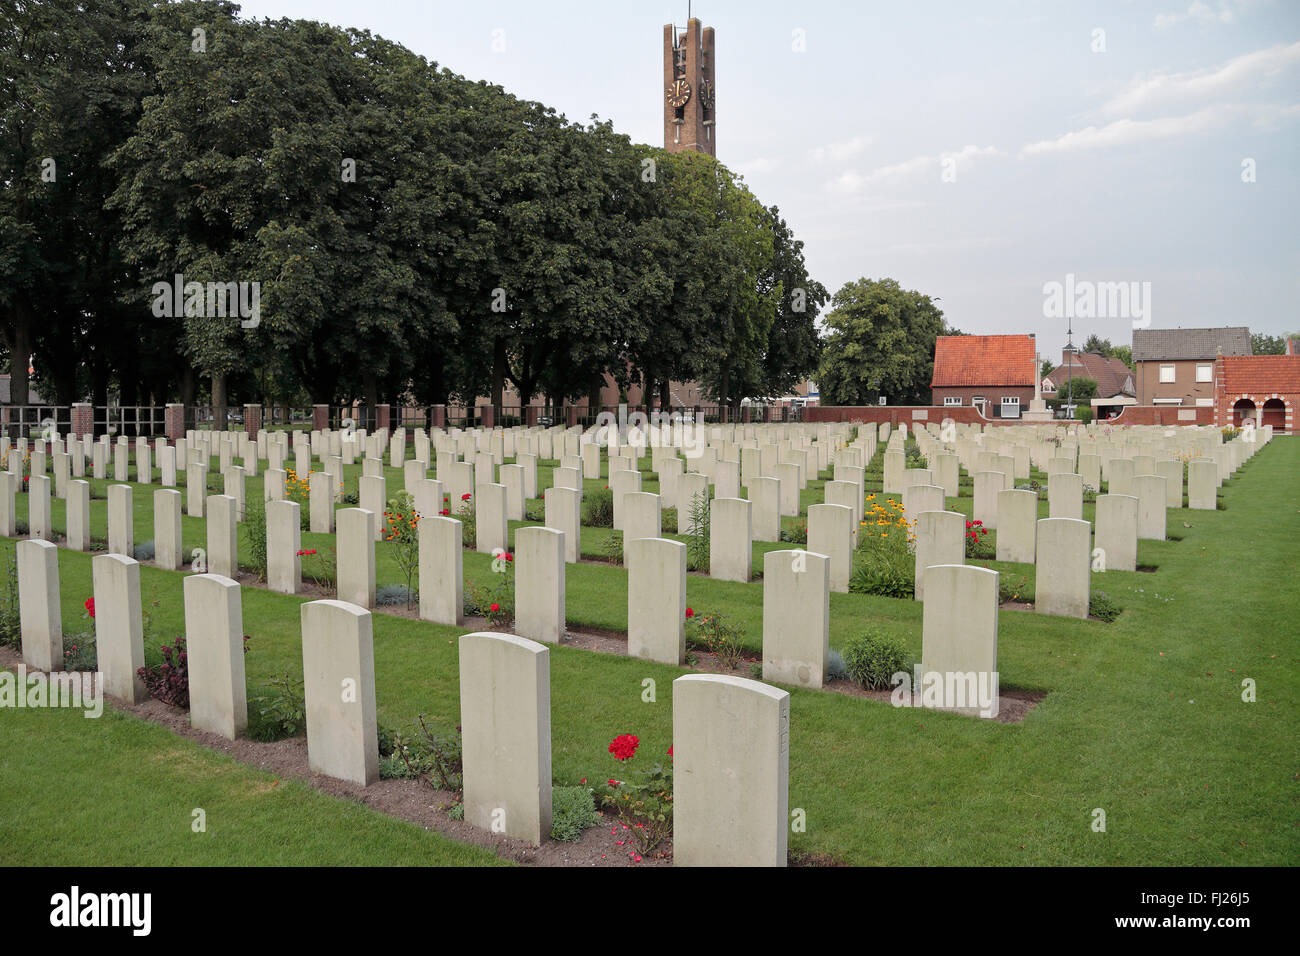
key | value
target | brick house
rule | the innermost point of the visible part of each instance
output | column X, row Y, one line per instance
column 1115, row 380
column 1265, row 388
column 1176, row 366
column 997, row 374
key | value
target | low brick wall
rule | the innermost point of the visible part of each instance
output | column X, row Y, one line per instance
column 1163, row 415
column 966, row 414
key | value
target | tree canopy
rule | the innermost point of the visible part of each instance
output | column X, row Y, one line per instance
column 413, row 235
column 880, row 341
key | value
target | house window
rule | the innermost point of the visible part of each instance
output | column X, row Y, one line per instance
column 1166, row 374
column 1204, row 373
column 1010, row 406
column 952, row 400
column 978, row 402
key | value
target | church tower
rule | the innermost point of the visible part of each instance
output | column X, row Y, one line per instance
column 688, row 89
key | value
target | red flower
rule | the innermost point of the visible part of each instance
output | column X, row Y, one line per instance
column 623, row 747
column 90, row 606
column 466, row 496
column 968, row 524
column 613, row 783
column 495, row 607
column 508, row 556
column 670, row 753
column 690, row 612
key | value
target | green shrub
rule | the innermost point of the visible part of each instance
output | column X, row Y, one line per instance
column 796, row 533
column 10, row 629
column 79, row 652
column 873, row 658
column 598, row 508
column 254, row 531
column 279, row 715
column 886, row 563
column 697, row 532
column 1103, row 607
column 835, row 669
column 393, row 594
column 573, row 809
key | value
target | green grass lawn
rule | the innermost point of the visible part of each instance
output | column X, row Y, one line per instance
column 1144, row 717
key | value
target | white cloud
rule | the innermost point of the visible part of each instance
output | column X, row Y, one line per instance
column 1242, row 73
column 1126, row 132
column 839, row 152
column 852, row 180
column 1205, row 14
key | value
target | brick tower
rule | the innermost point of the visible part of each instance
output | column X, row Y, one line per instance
column 688, row 89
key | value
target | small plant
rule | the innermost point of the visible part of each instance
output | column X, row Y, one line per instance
column 1014, row 587
column 598, row 508
column 716, row 635
column 10, row 624
column 402, row 529
column 573, row 810
column 254, row 532
column 976, row 546
column 321, row 567
column 391, row 595
column 1103, row 607
column 886, row 564
column 170, row 680
column 796, row 533
column 697, row 533
column 468, row 519
column 283, row 714
column 835, row 669
column 643, row 803
column 496, row 601
column 446, row 758
column 612, row 547
column 873, row 658
column 79, row 652
column 144, row 551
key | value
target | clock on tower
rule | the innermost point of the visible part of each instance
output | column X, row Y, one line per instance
column 689, row 115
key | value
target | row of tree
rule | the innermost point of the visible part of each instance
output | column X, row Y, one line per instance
column 414, row 235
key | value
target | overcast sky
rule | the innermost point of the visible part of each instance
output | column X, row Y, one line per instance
column 1108, row 141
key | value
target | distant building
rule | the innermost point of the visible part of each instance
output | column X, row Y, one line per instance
column 1115, row 380
column 1263, row 388
column 1176, row 366
column 996, row 374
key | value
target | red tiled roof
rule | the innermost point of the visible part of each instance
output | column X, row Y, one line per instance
column 962, row 361
column 1110, row 374
column 1256, row 374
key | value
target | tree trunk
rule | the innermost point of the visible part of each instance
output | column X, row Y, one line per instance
column 498, row 372
column 219, row 401
column 665, row 395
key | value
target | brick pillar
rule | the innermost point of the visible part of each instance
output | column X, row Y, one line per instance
column 320, row 417
column 173, row 422
column 571, row 416
column 383, row 416
column 439, row 419
column 486, row 416
column 83, row 419
column 252, row 421
column 531, row 414
column 767, row 413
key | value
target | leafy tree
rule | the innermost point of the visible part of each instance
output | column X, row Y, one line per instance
column 1075, row 390
column 881, row 342
column 1263, row 344
column 1046, row 369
